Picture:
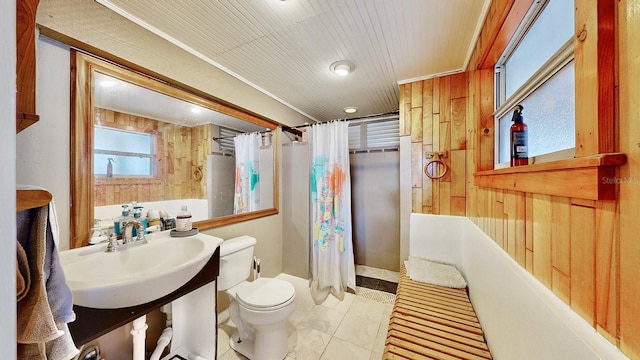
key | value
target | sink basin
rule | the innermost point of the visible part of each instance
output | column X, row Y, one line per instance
column 135, row 275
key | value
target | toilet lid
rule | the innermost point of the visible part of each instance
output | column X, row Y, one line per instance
column 265, row 293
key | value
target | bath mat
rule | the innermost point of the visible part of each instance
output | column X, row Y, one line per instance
column 434, row 272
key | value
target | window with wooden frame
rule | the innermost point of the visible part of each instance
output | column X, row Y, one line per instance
column 595, row 140
column 121, row 153
column 536, row 70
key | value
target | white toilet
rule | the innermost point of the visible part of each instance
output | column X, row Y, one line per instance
column 260, row 308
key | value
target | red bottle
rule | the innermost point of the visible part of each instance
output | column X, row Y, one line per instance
column 110, row 167
column 519, row 140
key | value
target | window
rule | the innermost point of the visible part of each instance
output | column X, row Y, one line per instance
column 227, row 144
column 374, row 134
column 131, row 153
column 537, row 71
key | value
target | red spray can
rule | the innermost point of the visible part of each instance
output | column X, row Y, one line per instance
column 519, row 140
column 110, row 167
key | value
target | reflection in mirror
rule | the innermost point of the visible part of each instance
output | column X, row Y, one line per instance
column 162, row 148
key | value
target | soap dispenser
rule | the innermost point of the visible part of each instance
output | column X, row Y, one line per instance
column 120, row 220
column 137, row 215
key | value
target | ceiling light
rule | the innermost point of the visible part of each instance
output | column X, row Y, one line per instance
column 350, row 109
column 342, row 67
column 196, row 110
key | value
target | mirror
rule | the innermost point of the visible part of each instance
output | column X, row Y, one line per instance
column 136, row 138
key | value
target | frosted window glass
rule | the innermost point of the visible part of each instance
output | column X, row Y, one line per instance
column 131, row 152
column 552, row 29
column 549, row 113
column 123, row 165
column 120, row 140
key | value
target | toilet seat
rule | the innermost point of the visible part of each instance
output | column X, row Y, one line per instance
column 264, row 294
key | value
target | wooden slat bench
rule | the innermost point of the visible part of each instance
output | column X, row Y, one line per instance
column 433, row 322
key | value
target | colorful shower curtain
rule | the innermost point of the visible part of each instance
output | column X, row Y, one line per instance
column 332, row 260
column 247, row 189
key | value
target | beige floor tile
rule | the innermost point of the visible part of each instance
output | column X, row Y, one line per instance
column 358, row 330
column 368, row 309
column 339, row 349
column 224, row 333
column 381, row 337
column 323, row 319
column 340, row 305
column 307, row 344
column 231, row 355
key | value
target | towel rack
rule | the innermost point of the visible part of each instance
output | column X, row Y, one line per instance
column 29, row 199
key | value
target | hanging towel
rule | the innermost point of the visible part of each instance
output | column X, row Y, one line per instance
column 434, row 272
column 35, row 323
column 47, row 306
column 23, row 277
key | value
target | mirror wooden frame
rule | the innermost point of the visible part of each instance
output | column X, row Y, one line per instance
column 82, row 115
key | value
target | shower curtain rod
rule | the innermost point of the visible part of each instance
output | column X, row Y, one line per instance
column 294, row 129
column 284, row 128
column 383, row 116
column 232, row 136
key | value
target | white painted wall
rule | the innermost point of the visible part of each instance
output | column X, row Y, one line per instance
column 521, row 318
column 8, row 178
column 295, row 208
column 405, row 196
column 43, row 149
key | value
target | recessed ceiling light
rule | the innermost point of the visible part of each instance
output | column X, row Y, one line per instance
column 350, row 109
column 342, row 67
column 196, row 110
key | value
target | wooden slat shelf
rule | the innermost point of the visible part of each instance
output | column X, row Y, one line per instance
column 589, row 177
column 428, row 329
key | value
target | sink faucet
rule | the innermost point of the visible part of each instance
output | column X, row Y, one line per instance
column 127, row 232
column 127, row 237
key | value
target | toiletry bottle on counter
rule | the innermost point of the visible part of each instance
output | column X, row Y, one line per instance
column 183, row 220
column 137, row 214
column 117, row 224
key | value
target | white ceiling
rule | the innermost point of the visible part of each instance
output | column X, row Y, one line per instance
column 285, row 48
column 133, row 99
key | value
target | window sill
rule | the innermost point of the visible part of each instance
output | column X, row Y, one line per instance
column 590, row 177
column 126, row 180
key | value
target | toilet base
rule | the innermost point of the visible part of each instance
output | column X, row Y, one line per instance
column 244, row 347
column 269, row 344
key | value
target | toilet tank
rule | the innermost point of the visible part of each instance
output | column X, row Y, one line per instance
column 236, row 258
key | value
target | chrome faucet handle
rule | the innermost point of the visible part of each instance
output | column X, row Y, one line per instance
column 141, row 238
column 112, row 244
column 127, row 231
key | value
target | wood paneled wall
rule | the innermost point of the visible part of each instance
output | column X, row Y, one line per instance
column 433, row 113
column 585, row 251
column 182, row 157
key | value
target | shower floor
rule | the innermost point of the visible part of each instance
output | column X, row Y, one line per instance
column 376, row 284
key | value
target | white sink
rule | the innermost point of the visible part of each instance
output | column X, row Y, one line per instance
column 135, row 275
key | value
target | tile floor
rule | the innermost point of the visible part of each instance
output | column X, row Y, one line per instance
column 352, row 329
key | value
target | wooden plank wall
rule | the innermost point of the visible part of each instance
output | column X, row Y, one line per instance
column 629, row 204
column 570, row 245
column 585, row 251
column 181, row 151
column 434, row 115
